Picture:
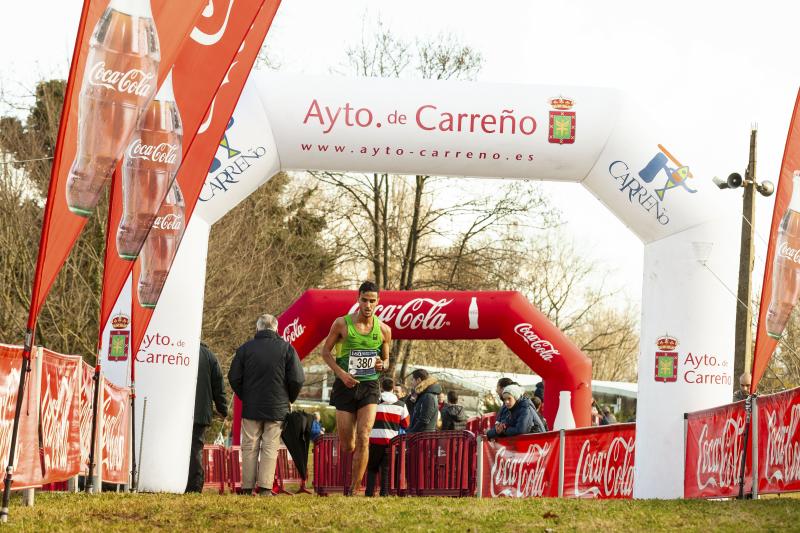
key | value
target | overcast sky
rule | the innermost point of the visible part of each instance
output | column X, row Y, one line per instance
column 708, row 68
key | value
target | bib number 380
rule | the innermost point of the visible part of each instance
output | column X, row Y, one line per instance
column 362, row 364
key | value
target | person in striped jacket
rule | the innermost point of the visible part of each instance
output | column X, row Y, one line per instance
column 390, row 416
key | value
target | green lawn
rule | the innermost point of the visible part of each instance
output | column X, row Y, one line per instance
column 169, row 512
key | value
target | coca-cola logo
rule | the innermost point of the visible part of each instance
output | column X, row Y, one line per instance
column 164, row 153
column 293, row 331
column 133, row 81
column 8, row 395
column 720, row 456
column 605, row 472
column 169, row 221
column 56, row 422
column 519, row 475
column 782, row 462
column 419, row 313
column 784, row 250
column 542, row 347
column 113, row 434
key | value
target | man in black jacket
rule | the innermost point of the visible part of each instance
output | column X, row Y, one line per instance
column 210, row 387
column 426, row 406
column 453, row 415
column 266, row 375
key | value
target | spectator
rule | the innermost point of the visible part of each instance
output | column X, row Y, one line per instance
column 316, row 427
column 453, row 415
column 608, row 417
column 537, row 404
column 596, row 416
column 539, row 392
column 210, row 388
column 441, row 401
column 502, row 414
column 266, row 375
column 744, row 387
column 401, row 392
column 391, row 415
column 521, row 418
column 427, row 389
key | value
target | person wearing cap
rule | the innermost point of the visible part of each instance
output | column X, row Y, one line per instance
column 522, row 417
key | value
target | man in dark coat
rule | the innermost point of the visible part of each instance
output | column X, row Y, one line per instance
column 266, row 375
column 453, row 415
column 210, row 388
column 426, row 389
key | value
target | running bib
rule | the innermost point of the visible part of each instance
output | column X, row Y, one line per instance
column 361, row 363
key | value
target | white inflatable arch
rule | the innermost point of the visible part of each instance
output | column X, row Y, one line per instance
column 654, row 184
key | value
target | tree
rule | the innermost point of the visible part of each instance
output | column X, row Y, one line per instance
column 68, row 320
column 277, row 253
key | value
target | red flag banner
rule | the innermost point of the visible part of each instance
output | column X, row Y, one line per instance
column 598, row 462
column 114, row 443
column 152, row 267
column 521, row 467
column 714, row 440
column 60, row 416
column 779, row 442
column 87, row 396
column 26, row 456
column 166, row 134
column 781, row 288
column 123, row 48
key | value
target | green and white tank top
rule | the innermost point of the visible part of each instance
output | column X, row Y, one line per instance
column 357, row 353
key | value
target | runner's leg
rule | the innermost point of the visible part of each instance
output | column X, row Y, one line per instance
column 345, row 427
column 365, row 418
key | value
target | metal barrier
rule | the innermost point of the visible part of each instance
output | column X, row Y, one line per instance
column 286, row 472
column 398, row 475
column 234, row 468
column 214, row 467
column 442, row 463
column 474, row 424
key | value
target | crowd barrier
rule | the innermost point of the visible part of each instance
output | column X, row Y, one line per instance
column 56, row 420
column 715, row 442
column 223, row 467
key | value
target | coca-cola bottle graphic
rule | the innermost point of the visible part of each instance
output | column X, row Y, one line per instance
column 564, row 418
column 160, row 247
column 786, row 266
column 118, row 83
column 148, row 170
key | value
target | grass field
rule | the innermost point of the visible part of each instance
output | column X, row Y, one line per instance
column 211, row 512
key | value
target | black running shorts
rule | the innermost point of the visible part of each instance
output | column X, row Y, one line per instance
column 344, row 398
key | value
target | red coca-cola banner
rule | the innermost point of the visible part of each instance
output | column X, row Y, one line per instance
column 714, row 440
column 521, row 467
column 149, row 276
column 779, row 442
column 26, row 457
column 60, row 443
column 598, row 462
column 780, row 288
column 157, row 149
column 114, row 443
column 87, row 396
column 122, row 49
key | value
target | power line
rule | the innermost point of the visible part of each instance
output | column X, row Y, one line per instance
column 17, row 161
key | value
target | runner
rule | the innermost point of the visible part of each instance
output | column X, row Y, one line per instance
column 356, row 349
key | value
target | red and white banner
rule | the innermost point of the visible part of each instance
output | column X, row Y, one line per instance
column 521, row 467
column 598, row 462
column 26, row 457
column 122, row 51
column 780, row 289
column 87, row 396
column 115, row 446
column 59, row 423
column 779, row 442
column 714, row 440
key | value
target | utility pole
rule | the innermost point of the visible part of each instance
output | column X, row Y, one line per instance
column 744, row 311
column 743, row 347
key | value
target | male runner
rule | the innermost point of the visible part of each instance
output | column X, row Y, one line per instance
column 356, row 349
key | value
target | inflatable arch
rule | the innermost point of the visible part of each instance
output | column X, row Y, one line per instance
column 655, row 185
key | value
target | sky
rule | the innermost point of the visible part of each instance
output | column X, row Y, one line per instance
column 708, row 69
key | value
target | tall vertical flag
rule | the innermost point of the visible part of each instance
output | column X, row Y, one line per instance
column 781, row 288
column 130, row 45
column 165, row 140
column 193, row 173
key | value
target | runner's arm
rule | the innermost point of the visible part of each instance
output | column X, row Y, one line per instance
column 327, row 355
